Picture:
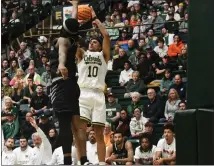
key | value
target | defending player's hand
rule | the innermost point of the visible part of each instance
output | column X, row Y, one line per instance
column 63, row 70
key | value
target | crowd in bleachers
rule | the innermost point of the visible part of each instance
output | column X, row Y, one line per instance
column 145, row 83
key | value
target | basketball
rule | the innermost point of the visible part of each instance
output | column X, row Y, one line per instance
column 84, row 12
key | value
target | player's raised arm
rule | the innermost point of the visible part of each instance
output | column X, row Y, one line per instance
column 106, row 40
column 75, row 8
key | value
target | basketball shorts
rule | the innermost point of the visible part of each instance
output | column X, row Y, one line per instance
column 92, row 106
column 64, row 96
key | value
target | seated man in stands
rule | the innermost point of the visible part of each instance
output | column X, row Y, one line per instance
column 134, row 104
column 121, row 152
column 126, row 74
column 112, row 109
column 107, row 134
column 179, row 86
column 166, row 150
column 39, row 102
column 154, row 108
column 182, row 105
column 123, row 123
column 29, row 89
column 45, row 125
column 118, row 64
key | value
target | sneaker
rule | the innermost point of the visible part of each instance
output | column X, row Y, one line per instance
column 88, row 163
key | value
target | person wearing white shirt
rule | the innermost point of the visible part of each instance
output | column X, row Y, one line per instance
column 139, row 30
column 23, row 153
column 126, row 74
column 8, row 156
column 91, row 148
column 145, row 153
column 161, row 49
column 137, row 124
column 166, row 149
column 58, row 158
column 42, row 150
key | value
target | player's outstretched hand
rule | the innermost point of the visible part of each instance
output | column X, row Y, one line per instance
column 74, row 2
column 63, row 70
column 93, row 14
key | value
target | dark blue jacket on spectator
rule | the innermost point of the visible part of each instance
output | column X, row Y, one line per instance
column 181, row 89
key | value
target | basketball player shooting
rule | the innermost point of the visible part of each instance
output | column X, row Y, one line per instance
column 92, row 68
column 64, row 89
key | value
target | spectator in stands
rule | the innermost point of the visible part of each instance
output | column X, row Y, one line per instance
column 17, row 93
column 131, row 48
column 171, row 105
column 133, row 21
column 135, row 85
column 24, row 51
column 134, row 59
column 123, row 122
column 162, row 66
column 182, row 105
column 14, row 18
column 134, row 104
column 168, row 37
column 153, row 108
column 11, row 126
column 93, row 33
column 24, row 153
column 118, row 64
column 7, row 90
column 180, row 10
column 39, row 102
column 182, row 59
column 149, row 129
column 12, row 55
column 36, row 77
column 8, row 156
column 112, row 109
column 115, row 52
column 91, row 148
column 166, row 149
column 176, row 15
column 53, row 138
column 42, row 68
column 19, row 76
column 29, row 89
column 145, row 153
column 107, row 21
column 157, row 21
column 184, row 25
column 42, row 150
column 165, row 11
column 26, row 130
column 171, row 24
column 123, row 36
column 46, row 76
column 142, row 45
column 107, row 134
column 8, row 108
column 4, row 24
column 5, row 65
column 126, row 74
column 113, row 33
column 151, row 39
column 13, row 68
column 45, row 124
column 161, row 49
column 138, row 31
column 166, row 82
column 137, row 123
column 175, row 48
column 179, row 86
column 121, row 152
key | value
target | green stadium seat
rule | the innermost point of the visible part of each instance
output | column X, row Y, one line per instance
column 118, row 91
column 124, row 102
column 112, row 80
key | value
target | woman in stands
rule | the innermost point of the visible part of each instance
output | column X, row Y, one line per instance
column 171, row 105
column 145, row 153
column 166, row 82
column 19, row 76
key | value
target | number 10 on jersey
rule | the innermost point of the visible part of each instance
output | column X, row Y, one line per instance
column 92, row 71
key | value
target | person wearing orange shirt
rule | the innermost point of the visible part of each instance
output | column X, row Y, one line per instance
column 175, row 48
column 107, row 134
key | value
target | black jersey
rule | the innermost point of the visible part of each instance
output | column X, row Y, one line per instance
column 70, row 61
column 122, row 153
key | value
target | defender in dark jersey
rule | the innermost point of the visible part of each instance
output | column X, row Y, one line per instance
column 64, row 91
column 120, row 152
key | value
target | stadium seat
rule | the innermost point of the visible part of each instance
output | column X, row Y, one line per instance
column 118, row 91
column 112, row 80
